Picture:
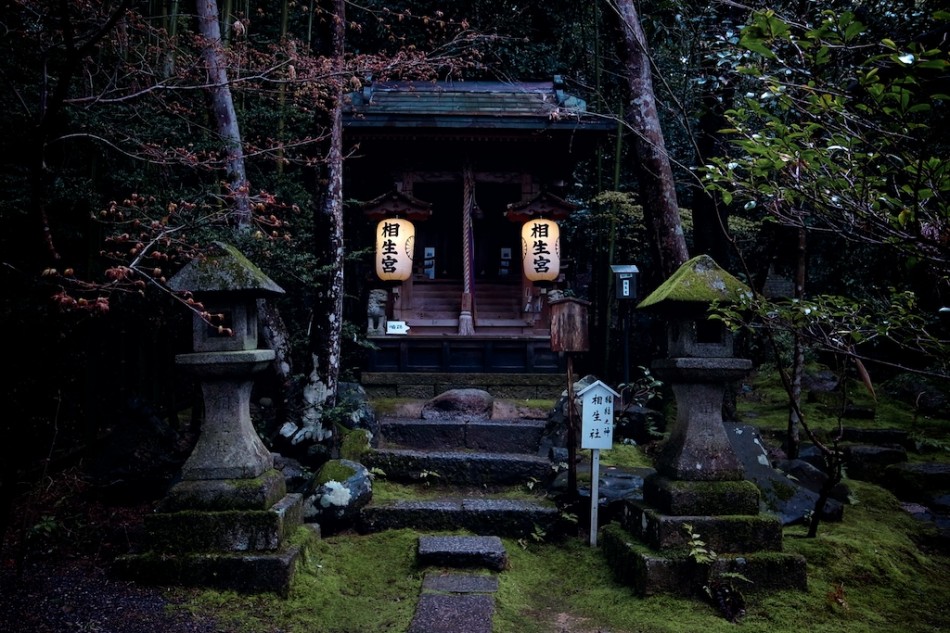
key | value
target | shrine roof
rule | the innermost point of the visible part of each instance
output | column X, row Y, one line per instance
column 471, row 104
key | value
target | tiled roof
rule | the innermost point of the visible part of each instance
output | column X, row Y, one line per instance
column 475, row 104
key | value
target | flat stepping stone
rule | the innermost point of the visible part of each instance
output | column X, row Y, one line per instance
column 463, row 551
column 447, row 613
column 460, row 583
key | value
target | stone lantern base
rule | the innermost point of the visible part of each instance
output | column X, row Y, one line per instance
column 227, row 534
column 722, row 514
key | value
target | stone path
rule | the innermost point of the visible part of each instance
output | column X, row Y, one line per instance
column 458, row 602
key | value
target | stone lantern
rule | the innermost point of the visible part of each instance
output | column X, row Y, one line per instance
column 226, row 358
column 227, row 522
column 698, row 366
column 699, row 482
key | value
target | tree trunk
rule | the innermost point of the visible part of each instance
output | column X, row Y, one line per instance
column 328, row 319
column 657, row 188
column 222, row 110
column 792, row 440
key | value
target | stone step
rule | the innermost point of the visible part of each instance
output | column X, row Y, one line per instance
column 487, row 552
column 447, row 613
column 457, row 467
column 459, row 583
column 500, row 436
column 505, row 517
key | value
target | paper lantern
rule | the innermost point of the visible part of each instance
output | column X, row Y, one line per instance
column 541, row 250
column 394, row 244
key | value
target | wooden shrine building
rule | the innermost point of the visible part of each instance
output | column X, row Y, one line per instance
column 466, row 164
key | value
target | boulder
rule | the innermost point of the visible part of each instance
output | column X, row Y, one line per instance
column 922, row 482
column 342, row 488
column 781, row 494
column 459, row 404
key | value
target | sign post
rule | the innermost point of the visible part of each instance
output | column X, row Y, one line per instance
column 597, row 432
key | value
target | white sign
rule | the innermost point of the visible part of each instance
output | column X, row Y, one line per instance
column 397, row 327
column 597, row 417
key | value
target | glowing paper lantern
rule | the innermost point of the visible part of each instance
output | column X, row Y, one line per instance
column 541, row 250
column 394, row 244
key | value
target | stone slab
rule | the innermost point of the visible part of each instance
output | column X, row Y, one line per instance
column 673, row 572
column 244, row 573
column 724, row 534
column 451, row 467
column 259, row 493
column 440, row 613
column 780, row 494
column 690, row 498
column 485, row 516
column 225, row 531
column 460, row 583
column 463, row 551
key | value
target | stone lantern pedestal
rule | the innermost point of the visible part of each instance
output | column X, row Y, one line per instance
column 699, row 487
column 228, row 521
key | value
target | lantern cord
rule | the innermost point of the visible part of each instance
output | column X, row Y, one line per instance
column 466, row 323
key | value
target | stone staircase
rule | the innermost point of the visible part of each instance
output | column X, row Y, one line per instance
column 483, row 476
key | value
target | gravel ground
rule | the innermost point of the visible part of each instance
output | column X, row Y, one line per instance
column 78, row 595
column 54, row 566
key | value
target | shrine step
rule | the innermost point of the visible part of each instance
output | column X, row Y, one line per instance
column 459, row 467
column 487, row 552
column 515, row 518
column 499, row 436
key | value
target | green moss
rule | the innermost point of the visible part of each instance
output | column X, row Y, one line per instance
column 227, row 269
column 625, row 456
column 698, row 281
column 354, row 445
column 865, row 575
column 334, row 470
column 385, row 491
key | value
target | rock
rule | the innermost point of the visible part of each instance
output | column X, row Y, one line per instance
column 342, row 488
column 456, row 404
column 867, row 463
column 812, row 478
column 353, row 398
column 927, row 395
column 555, row 432
column 781, row 495
column 821, row 381
column 921, row 482
column 297, row 478
column 880, row 437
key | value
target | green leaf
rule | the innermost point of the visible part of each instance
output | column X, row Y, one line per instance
column 756, row 45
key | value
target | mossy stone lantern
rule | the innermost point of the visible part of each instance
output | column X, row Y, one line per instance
column 698, row 366
column 699, row 479
column 227, row 523
column 225, row 358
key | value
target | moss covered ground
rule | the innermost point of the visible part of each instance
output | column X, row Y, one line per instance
column 867, row 573
column 874, row 571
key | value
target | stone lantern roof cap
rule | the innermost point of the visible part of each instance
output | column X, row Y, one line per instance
column 224, row 271
column 694, row 286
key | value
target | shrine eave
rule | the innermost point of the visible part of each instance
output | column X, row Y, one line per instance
column 450, row 108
